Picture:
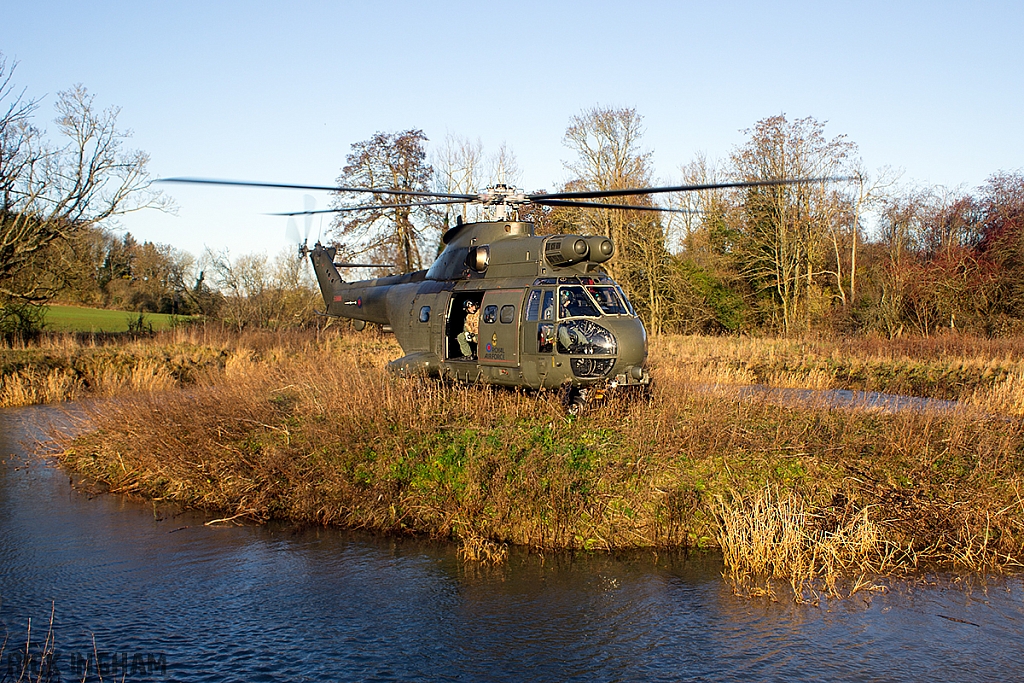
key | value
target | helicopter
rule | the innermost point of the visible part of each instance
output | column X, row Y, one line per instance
column 548, row 316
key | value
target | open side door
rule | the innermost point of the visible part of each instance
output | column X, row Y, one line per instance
column 454, row 323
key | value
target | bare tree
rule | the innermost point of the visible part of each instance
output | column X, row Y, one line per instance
column 19, row 140
column 391, row 161
column 606, row 142
column 867, row 192
column 49, row 192
column 785, row 226
column 262, row 292
column 457, row 169
column 937, row 271
column 709, row 296
column 1002, row 204
column 505, row 167
column 704, row 231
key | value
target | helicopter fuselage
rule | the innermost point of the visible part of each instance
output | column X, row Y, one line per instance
column 548, row 315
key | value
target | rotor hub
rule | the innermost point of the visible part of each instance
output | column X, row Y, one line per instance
column 501, row 202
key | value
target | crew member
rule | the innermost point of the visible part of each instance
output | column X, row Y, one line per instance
column 470, row 329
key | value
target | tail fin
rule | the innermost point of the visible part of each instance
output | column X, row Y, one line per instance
column 327, row 274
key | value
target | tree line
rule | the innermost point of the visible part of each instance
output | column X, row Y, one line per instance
column 59, row 198
column 97, row 268
column 856, row 252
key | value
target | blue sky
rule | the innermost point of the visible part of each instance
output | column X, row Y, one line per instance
column 268, row 91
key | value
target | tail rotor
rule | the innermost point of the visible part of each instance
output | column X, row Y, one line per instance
column 292, row 231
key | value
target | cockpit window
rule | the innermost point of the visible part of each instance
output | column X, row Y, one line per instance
column 608, row 300
column 625, row 300
column 573, row 302
column 533, row 305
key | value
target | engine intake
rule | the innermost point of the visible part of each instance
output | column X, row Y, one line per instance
column 478, row 258
column 566, row 250
column 601, row 248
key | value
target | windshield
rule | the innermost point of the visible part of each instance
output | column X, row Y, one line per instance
column 573, row 302
column 608, row 300
column 622, row 294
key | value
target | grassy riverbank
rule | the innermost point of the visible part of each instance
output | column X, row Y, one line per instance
column 319, row 432
column 66, row 367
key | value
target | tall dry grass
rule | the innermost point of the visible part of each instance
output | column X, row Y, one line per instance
column 66, row 367
column 772, row 534
column 32, row 661
column 985, row 373
column 317, row 431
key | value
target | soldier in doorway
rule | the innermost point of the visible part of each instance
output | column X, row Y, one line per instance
column 470, row 329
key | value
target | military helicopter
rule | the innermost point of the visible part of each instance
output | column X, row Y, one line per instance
column 549, row 317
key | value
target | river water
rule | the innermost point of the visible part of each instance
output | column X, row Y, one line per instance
column 164, row 597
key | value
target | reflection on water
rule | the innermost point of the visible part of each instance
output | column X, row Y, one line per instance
column 276, row 603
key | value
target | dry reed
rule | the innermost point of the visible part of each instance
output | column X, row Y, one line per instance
column 984, row 372
column 771, row 534
column 33, row 661
column 68, row 367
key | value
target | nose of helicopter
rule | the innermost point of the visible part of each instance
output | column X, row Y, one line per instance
column 632, row 343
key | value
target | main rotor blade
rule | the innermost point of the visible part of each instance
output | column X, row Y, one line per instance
column 599, row 205
column 333, row 188
column 364, row 265
column 679, row 188
column 369, row 206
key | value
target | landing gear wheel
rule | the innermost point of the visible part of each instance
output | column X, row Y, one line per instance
column 575, row 400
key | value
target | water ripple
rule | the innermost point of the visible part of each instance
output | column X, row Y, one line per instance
column 275, row 603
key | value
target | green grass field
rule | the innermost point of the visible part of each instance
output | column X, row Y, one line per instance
column 79, row 319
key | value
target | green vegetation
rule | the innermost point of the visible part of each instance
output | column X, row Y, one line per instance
column 81, row 319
